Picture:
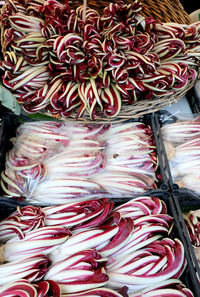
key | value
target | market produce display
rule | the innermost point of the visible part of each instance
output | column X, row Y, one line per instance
column 64, row 61
column 116, row 259
column 56, row 163
column 192, row 221
column 182, row 141
column 78, row 63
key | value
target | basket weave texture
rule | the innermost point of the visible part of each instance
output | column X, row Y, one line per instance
column 162, row 10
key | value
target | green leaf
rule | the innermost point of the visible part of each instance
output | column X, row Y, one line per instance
column 40, row 117
column 9, row 101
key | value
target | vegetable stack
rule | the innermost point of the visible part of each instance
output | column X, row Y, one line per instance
column 94, row 249
column 56, row 162
column 64, row 61
column 182, row 143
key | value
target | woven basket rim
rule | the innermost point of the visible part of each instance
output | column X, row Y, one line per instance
column 129, row 111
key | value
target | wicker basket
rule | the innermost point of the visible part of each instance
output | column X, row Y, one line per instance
column 133, row 111
column 163, row 11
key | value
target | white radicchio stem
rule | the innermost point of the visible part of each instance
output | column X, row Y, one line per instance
column 141, row 207
column 23, row 288
column 79, row 272
column 168, row 288
column 32, row 268
column 107, row 239
column 159, row 261
column 22, row 221
column 43, row 240
column 79, row 215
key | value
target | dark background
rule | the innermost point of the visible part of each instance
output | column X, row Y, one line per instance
column 190, row 5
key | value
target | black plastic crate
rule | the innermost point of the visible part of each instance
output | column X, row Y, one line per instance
column 7, row 207
column 189, row 200
column 193, row 100
column 184, row 202
column 163, row 161
column 10, row 122
column 189, row 277
column 160, row 120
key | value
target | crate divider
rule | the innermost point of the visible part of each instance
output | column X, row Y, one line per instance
column 164, row 164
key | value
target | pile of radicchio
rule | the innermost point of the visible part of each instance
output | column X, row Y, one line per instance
column 64, row 61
